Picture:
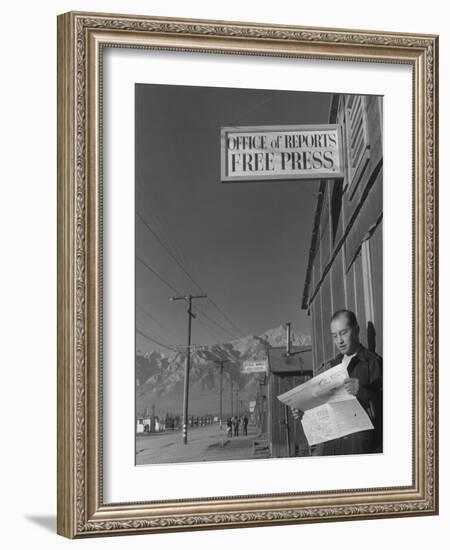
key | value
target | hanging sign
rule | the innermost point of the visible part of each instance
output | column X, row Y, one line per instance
column 281, row 152
column 249, row 367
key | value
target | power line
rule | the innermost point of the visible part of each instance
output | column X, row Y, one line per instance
column 154, row 340
column 186, row 272
column 171, row 254
column 181, row 294
column 215, row 322
column 236, row 328
column 156, row 320
column 205, row 326
column 160, row 216
column 160, row 277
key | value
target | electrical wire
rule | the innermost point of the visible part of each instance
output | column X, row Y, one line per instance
column 145, row 312
column 186, row 272
column 159, row 276
column 155, row 341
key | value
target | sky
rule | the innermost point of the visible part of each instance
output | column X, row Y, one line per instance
column 244, row 244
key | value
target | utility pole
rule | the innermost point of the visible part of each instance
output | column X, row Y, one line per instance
column 189, row 299
column 231, row 395
column 288, row 339
column 220, row 395
column 220, row 363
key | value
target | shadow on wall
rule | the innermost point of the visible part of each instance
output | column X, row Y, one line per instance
column 371, row 337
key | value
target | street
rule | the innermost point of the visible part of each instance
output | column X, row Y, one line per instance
column 204, row 444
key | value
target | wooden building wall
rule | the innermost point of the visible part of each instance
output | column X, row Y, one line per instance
column 260, row 412
column 347, row 263
column 285, row 434
column 285, row 438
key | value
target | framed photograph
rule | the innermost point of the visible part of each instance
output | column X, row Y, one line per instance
column 247, row 274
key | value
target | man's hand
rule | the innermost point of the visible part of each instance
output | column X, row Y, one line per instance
column 351, row 385
column 297, row 413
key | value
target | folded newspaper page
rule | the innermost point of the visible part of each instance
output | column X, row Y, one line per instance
column 329, row 410
column 318, row 390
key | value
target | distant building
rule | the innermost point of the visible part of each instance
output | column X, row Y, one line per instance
column 345, row 265
column 143, row 424
column 150, row 424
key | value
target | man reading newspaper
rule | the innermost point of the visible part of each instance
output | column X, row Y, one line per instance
column 346, row 399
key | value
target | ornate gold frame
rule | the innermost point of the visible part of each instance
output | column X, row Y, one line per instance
column 81, row 37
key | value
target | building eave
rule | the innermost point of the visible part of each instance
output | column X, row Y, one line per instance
column 315, row 232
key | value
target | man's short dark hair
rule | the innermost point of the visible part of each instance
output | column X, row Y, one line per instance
column 351, row 317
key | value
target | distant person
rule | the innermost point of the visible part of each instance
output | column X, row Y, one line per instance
column 236, row 426
column 229, row 428
column 244, row 425
column 364, row 381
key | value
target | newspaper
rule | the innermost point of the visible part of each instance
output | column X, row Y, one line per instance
column 329, row 410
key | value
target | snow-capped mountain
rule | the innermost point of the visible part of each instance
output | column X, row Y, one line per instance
column 160, row 379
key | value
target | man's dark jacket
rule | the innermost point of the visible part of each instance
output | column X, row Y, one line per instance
column 367, row 367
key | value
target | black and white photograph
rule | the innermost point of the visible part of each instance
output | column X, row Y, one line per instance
column 258, row 269
column 221, row 221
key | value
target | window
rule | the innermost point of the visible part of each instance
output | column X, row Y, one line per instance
column 336, row 207
column 358, row 148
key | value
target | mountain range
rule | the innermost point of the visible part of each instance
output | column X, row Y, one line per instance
column 160, row 378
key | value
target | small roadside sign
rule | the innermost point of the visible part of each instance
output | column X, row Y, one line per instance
column 249, row 367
